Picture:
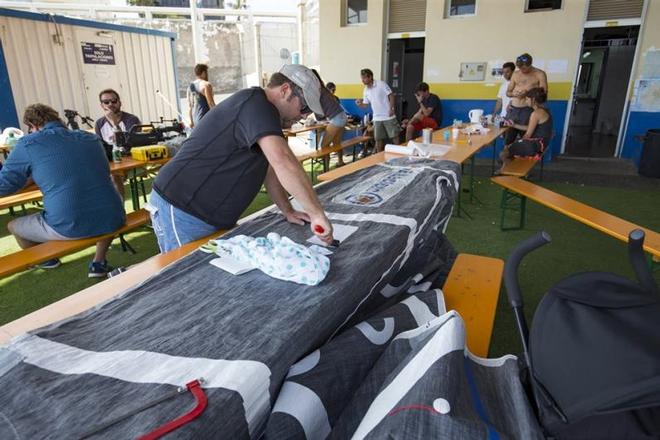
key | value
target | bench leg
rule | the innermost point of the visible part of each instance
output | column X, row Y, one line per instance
column 125, row 246
column 509, row 203
column 144, row 191
column 541, row 178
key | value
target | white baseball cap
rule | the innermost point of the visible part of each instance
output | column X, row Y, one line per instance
column 304, row 78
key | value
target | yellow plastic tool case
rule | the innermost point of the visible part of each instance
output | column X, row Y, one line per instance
column 149, row 152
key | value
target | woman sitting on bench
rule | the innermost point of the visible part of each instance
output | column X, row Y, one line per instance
column 537, row 134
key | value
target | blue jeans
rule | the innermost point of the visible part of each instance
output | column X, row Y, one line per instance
column 174, row 227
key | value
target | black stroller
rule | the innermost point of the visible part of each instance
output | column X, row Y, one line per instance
column 592, row 356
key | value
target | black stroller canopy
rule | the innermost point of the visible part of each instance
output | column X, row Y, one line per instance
column 595, row 343
column 593, row 352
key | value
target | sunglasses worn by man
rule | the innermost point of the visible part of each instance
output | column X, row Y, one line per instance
column 304, row 108
column 109, row 101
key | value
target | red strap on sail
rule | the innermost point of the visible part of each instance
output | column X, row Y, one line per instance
column 195, row 387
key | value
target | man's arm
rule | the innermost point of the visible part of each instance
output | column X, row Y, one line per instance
column 15, row 173
column 392, row 100
column 498, row 106
column 543, row 80
column 208, row 94
column 280, row 197
column 292, row 177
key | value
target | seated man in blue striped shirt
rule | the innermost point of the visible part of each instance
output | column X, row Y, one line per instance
column 72, row 171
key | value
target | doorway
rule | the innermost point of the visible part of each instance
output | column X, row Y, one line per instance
column 405, row 69
column 599, row 94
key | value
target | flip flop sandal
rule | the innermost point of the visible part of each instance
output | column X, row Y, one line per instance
column 209, row 247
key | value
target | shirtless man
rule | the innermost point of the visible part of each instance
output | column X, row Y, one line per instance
column 525, row 78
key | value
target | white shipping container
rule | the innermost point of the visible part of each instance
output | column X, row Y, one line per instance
column 65, row 62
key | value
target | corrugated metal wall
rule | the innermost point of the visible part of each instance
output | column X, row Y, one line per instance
column 45, row 64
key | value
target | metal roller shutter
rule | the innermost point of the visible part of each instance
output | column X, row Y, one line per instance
column 407, row 16
column 614, row 9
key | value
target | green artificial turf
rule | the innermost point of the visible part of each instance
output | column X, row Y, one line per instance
column 574, row 248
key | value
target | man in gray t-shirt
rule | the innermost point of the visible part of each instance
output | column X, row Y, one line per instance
column 237, row 147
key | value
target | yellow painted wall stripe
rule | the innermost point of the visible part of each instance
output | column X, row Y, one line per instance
column 560, row 91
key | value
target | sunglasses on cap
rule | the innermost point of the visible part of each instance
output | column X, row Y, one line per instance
column 109, row 101
column 523, row 59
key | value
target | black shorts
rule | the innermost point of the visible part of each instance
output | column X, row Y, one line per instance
column 519, row 115
column 526, row 148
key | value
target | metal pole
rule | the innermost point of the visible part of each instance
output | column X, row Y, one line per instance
column 256, row 33
column 195, row 32
column 301, row 40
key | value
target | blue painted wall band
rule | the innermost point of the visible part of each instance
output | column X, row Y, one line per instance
column 8, row 115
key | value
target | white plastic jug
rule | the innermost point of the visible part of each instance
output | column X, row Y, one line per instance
column 475, row 115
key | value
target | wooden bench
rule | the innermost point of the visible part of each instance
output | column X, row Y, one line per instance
column 522, row 166
column 21, row 198
column 23, row 259
column 472, row 289
column 323, row 153
column 597, row 219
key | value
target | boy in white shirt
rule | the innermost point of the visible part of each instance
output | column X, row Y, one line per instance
column 382, row 100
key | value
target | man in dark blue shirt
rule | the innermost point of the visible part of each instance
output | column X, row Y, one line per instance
column 429, row 114
column 72, row 171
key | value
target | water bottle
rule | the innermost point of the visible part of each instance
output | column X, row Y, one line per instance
column 116, row 153
column 116, row 149
column 11, row 141
column 365, row 120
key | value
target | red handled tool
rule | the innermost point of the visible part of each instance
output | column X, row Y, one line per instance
column 319, row 229
column 195, row 388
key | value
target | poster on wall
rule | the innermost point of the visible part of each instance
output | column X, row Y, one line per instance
column 472, row 72
column 651, row 68
column 97, row 53
column 647, row 96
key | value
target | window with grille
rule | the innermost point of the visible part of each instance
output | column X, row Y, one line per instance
column 542, row 5
column 454, row 8
column 354, row 12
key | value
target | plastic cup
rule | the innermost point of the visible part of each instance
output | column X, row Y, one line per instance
column 454, row 133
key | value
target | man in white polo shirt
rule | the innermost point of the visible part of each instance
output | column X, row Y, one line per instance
column 382, row 100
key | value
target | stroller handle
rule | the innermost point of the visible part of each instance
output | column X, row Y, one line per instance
column 512, row 263
column 636, row 256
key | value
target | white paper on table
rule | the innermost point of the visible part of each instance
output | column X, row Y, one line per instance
column 418, row 149
column 231, row 265
column 339, row 232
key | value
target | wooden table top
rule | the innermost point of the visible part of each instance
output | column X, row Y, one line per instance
column 295, row 131
column 128, row 163
column 462, row 149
